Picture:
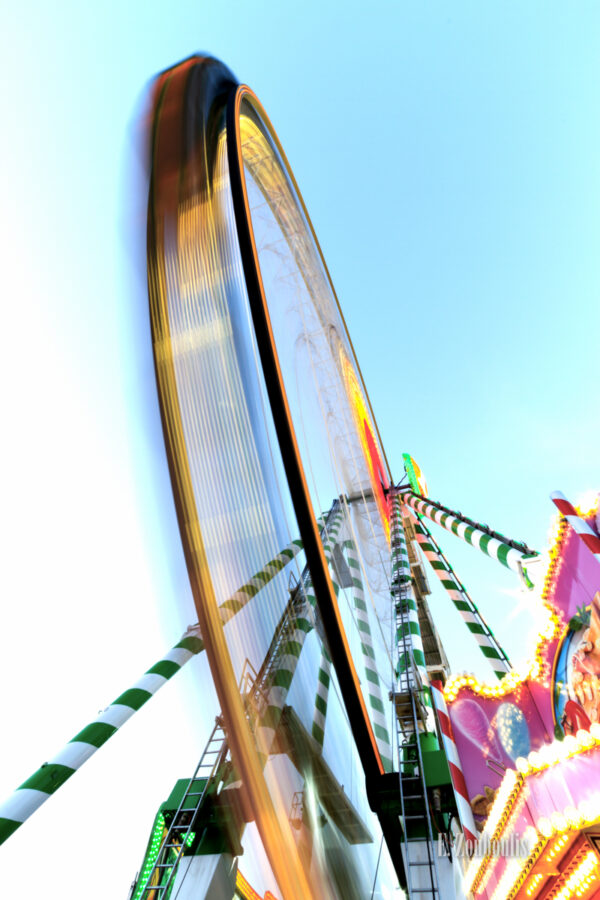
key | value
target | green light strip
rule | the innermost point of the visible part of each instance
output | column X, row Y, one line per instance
column 154, row 845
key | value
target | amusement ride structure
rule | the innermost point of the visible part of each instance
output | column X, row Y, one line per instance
column 346, row 761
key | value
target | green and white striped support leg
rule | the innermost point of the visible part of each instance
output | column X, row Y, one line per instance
column 293, row 643
column 238, row 600
column 366, row 642
column 323, row 681
column 299, row 627
column 53, row 774
column 509, row 556
column 279, row 683
column 329, row 538
column 472, row 618
column 402, row 584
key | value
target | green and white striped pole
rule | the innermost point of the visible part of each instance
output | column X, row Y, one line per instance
column 472, row 618
column 511, row 554
column 53, row 774
column 330, row 527
column 238, row 600
column 276, row 690
column 366, row 642
column 409, row 631
column 323, row 682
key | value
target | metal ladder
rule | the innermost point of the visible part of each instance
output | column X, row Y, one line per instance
column 297, row 606
column 181, row 830
column 416, row 817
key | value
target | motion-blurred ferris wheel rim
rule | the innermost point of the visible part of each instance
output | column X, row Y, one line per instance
column 196, row 103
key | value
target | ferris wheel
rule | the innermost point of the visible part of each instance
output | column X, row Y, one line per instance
column 345, row 761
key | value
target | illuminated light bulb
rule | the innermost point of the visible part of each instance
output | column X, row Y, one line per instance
column 558, row 821
column 546, row 755
column 544, row 826
column 584, row 739
column 522, row 765
column 586, row 504
column 595, row 730
column 569, row 745
column 573, row 816
column 587, row 810
column 562, row 751
column 534, row 759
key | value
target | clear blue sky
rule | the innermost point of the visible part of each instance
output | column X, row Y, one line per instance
column 449, row 157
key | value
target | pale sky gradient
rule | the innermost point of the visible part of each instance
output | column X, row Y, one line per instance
column 449, row 157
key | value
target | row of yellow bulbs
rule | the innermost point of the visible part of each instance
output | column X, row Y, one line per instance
column 556, row 847
column 520, row 871
column 515, row 875
column 582, row 879
column 558, row 751
column 550, row 630
column 578, row 883
column 503, row 802
column 571, row 818
column 534, row 883
column 512, row 679
column 508, row 790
